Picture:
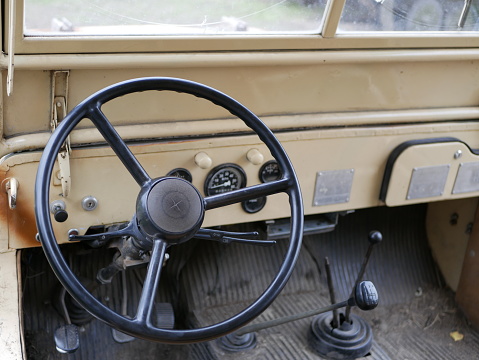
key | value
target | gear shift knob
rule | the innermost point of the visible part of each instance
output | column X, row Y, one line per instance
column 375, row 237
column 366, row 295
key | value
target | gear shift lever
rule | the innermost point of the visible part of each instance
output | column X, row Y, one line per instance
column 352, row 337
column 363, row 295
column 375, row 237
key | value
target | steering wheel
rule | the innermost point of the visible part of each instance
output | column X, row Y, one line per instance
column 169, row 211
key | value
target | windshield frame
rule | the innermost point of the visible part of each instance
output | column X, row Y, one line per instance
column 326, row 39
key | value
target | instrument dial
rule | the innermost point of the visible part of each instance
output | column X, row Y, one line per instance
column 254, row 205
column 181, row 173
column 270, row 171
column 224, row 178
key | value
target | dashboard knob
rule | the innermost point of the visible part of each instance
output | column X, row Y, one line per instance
column 60, row 215
column 57, row 208
column 203, row 160
column 255, row 157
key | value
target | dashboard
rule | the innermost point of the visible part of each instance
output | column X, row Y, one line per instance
column 333, row 175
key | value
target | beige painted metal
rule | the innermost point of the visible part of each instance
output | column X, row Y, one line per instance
column 139, row 44
column 333, row 13
column 420, row 156
column 467, row 289
column 10, row 334
column 235, row 59
column 449, row 225
column 320, row 89
column 176, row 129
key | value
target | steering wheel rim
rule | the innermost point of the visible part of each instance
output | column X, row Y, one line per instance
column 90, row 108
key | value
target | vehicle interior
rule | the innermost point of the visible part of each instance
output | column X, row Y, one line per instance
column 248, row 179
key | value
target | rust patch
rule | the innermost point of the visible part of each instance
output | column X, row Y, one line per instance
column 18, row 226
column 23, row 226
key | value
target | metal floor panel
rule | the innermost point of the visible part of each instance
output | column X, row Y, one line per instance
column 416, row 313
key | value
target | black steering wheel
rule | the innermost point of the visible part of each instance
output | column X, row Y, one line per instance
column 168, row 211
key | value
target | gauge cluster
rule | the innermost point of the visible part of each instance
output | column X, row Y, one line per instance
column 228, row 177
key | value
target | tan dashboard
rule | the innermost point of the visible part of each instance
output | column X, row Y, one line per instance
column 338, row 169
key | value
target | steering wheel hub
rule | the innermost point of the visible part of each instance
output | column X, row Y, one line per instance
column 171, row 209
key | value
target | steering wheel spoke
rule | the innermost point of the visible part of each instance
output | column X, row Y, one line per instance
column 118, row 145
column 247, row 193
column 150, row 285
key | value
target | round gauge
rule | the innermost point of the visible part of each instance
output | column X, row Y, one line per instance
column 224, row 178
column 270, row 171
column 254, row 205
column 181, row 173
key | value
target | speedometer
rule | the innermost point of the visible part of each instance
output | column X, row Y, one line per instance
column 224, row 178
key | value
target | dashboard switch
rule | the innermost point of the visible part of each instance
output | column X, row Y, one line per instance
column 203, row 160
column 255, row 157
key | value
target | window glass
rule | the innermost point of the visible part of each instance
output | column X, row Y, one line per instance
column 410, row 15
column 166, row 17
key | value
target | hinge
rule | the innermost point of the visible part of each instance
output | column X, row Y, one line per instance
column 59, row 111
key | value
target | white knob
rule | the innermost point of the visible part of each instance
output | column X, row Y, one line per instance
column 203, row 160
column 255, row 157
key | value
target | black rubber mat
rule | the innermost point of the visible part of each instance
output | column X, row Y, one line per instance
column 207, row 282
column 41, row 318
column 400, row 266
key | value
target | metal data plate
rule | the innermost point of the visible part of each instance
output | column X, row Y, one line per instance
column 427, row 181
column 333, row 187
column 467, row 179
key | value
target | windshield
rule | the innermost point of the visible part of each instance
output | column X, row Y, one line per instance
column 164, row 17
column 199, row 17
column 409, row 15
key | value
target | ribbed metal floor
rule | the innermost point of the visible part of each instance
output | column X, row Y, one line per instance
column 211, row 281
column 416, row 314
